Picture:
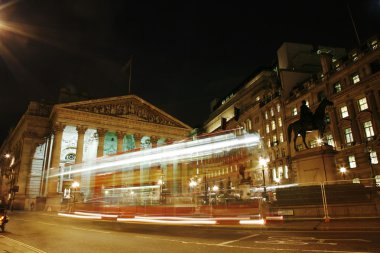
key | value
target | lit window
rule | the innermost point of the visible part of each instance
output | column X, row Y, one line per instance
column 294, row 111
column 286, row 172
column 281, row 137
column 354, row 56
column 278, row 107
column 377, row 179
column 355, row 78
column 280, row 172
column 279, row 122
column 274, row 174
column 363, row 105
column 373, row 156
column 268, row 143
column 314, row 144
column 327, row 118
column 266, row 115
column 344, row 112
column 267, row 130
column 273, row 124
column 274, row 140
column 368, row 129
column 374, row 44
column 330, row 140
column 352, row 161
column 348, row 135
column 337, row 87
column 337, row 66
column 271, row 112
column 249, row 124
column 307, row 103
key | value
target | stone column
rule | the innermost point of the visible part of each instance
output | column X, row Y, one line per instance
column 80, row 142
column 137, row 137
column 354, row 122
column 153, row 140
column 335, row 128
column 55, row 158
column 101, row 135
column 120, row 138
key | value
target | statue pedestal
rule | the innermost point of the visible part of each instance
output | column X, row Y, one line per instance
column 244, row 189
column 315, row 165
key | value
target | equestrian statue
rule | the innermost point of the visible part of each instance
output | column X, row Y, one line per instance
column 309, row 121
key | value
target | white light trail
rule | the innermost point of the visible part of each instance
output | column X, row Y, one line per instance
column 80, row 216
column 251, row 222
column 194, row 221
column 179, row 151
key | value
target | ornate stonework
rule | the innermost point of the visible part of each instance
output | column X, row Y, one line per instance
column 131, row 108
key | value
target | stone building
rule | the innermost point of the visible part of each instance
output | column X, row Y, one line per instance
column 270, row 99
column 54, row 136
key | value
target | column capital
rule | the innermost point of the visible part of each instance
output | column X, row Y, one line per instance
column 137, row 136
column 58, row 127
column 81, row 129
column 120, row 134
column 101, row 132
column 154, row 138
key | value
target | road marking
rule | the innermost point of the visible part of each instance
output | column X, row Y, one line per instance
column 91, row 230
column 46, row 223
column 240, row 239
column 252, row 247
column 23, row 244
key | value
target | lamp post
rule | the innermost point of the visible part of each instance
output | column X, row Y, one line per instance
column 343, row 170
column 161, row 184
column 263, row 162
column 75, row 185
column 368, row 149
column 193, row 183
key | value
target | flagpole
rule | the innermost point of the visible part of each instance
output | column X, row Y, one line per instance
column 353, row 24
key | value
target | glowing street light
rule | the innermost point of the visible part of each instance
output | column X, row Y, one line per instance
column 215, row 188
column 343, row 170
column 75, row 184
column 193, row 183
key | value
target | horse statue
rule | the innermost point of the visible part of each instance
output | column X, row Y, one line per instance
column 316, row 122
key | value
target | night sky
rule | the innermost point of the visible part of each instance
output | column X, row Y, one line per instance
column 185, row 53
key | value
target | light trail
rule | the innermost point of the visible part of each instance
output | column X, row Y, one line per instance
column 194, row 222
column 178, row 151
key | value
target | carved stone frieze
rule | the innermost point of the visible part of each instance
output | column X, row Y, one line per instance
column 128, row 108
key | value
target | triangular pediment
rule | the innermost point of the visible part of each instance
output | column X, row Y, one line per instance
column 129, row 107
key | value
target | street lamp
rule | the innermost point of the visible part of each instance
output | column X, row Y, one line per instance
column 343, row 170
column 263, row 162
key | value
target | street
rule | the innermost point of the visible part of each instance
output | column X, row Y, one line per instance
column 46, row 232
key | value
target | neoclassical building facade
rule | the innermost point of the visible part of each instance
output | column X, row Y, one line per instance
column 50, row 138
